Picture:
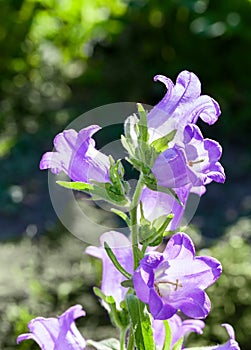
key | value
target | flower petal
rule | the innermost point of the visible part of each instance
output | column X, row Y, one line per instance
column 196, row 305
column 180, row 246
column 183, row 103
column 57, row 333
column 76, row 156
column 111, row 277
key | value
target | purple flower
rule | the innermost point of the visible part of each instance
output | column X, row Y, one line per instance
column 57, row 333
column 193, row 161
column 230, row 345
column 111, row 277
column 156, row 204
column 182, row 104
column 176, row 279
column 77, row 157
column 178, row 328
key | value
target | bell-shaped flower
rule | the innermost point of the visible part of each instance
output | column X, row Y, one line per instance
column 231, row 344
column 76, row 156
column 182, row 104
column 156, row 204
column 57, row 333
column 176, row 279
column 178, row 327
column 111, row 277
column 194, row 161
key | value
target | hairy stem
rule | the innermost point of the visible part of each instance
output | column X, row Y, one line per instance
column 133, row 219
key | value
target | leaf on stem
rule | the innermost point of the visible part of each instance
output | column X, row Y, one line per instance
column 143, row 131
column 179, row 343
column 122, row 215
column 141, row 323
column 127, row 284
column 98, row 190
column 161, row 144
column 168, row 336
column 115, row 261
column 107, row 299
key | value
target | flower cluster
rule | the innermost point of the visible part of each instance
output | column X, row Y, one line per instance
column 154, row 294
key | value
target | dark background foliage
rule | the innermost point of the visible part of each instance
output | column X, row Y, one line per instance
column 61, row 58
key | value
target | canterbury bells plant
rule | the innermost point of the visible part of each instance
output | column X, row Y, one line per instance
column 153, row 283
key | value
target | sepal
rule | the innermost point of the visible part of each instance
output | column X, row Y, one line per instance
column 116, row 173
column 162, row 144
column 136, row 140
column 151, row 182
column 142, row 153
column 151, row 233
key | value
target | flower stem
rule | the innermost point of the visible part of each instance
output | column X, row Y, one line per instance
column 130, row 345
column 122, row 338
column 133, row 219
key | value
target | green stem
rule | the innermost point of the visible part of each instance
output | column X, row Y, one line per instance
column 133, row 217
column 122, row 338
column 130, row 345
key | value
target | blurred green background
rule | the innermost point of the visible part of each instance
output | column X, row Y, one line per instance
column 60, row 58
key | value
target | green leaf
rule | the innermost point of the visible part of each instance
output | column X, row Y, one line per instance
column 141, row 322
column 107, row 299
column 161, row 223
column 98, row 190
column 107, row 344
column 135, row 163
column 179, row 343
column 161, row 144
column 127, row 284
column 115, row 261
column 139, row 253
column 122, row 215
column 171, row 192
column 146, row 231
column 168, row 336
column 152, row 232
column 156, row 241
column 127, row 145
column 143, row 130
column 78, row 186
column 116, row 173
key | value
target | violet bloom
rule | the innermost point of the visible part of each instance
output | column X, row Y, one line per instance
column 193, row 161
column 111, row 277
column 230, row 345
column 176, row 279
column 156, row 204
column 182, row 104
column 57, row 333
column 77, row 157
column 178, row 328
